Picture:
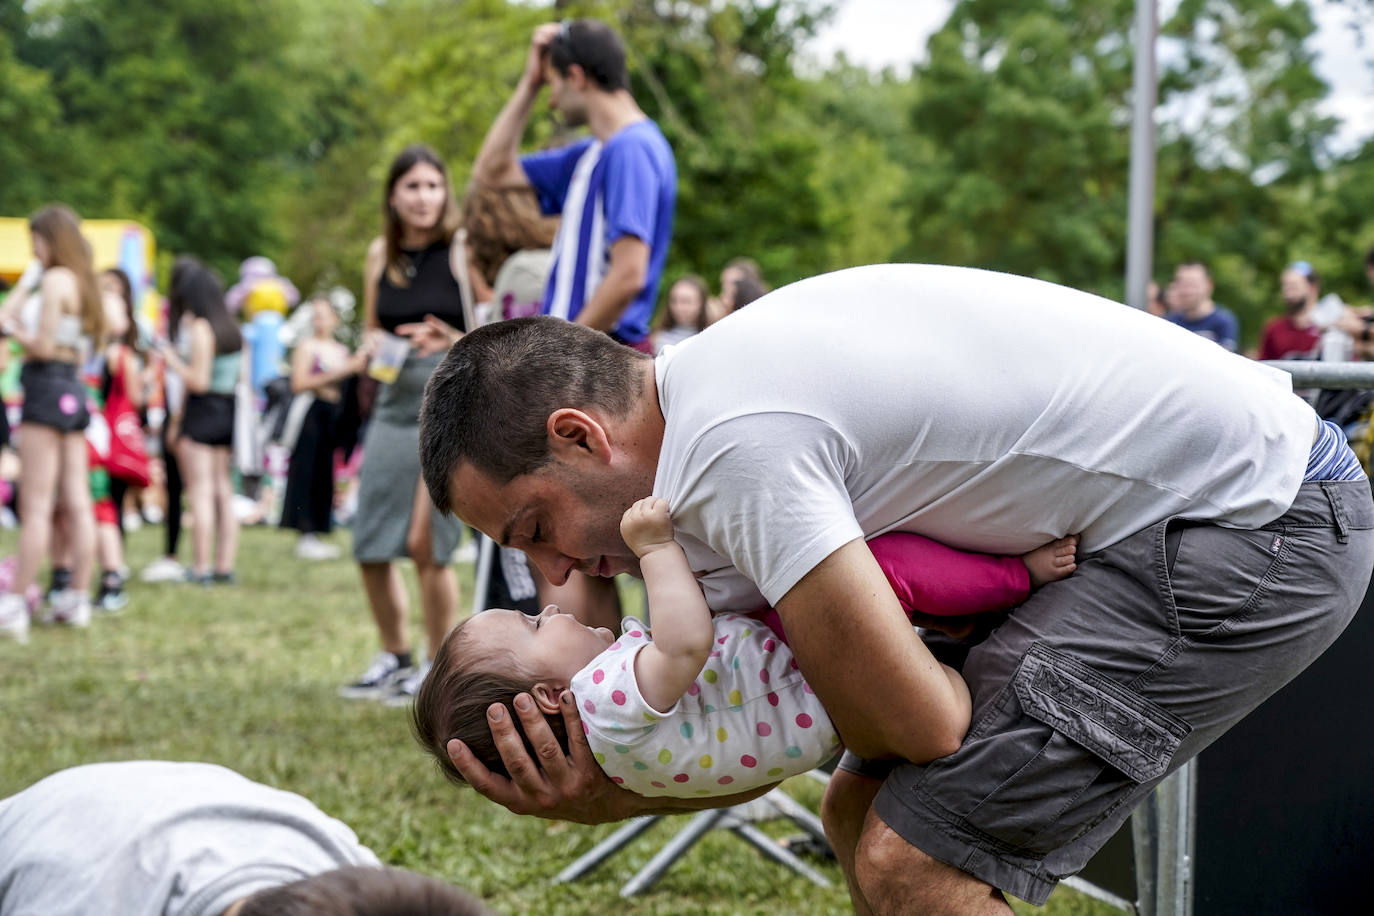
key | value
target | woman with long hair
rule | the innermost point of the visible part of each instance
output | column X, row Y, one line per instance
column 319, row 366
column 208, row 362
column 55, row 313
column 684, row 314
column 410, row 287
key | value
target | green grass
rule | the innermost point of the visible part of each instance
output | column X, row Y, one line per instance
column 245, row 677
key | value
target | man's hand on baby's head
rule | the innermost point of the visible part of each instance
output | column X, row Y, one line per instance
column 1053, row 561
column 646, row 526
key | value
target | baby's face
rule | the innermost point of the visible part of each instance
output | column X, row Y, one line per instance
column 551, row 645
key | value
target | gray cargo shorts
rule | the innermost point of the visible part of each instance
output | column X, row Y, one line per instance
column 1102, row 684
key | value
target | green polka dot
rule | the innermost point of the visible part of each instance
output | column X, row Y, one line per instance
column 710, row 676
column 686, row 729
column 775, row 771
column 650, row 717
column 721, row 735
column 706, row 761
column 735, row 664
column 793, row 751
column 710, row 708
column 600, row 758
column 621, row 749
column 641, row 766
column 665, row 756
column 703, row 791
column 735, row 698
column 747, row 631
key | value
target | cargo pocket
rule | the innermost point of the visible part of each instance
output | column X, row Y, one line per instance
column 1072, row 747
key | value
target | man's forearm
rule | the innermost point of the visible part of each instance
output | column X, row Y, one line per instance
column 624, row 279
column 498, row 160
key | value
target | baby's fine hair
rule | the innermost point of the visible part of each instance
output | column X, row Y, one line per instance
column 454, row 698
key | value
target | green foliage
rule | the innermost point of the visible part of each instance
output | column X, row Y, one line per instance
column 236, row 127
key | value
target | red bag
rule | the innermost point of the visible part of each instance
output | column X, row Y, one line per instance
column 128, row 459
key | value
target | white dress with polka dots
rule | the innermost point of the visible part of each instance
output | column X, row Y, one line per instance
column 749, row 719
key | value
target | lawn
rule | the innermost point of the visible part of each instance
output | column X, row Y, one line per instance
column 245, row 677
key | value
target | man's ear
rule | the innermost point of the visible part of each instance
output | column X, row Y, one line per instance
column 546, row 694
column 573, row 433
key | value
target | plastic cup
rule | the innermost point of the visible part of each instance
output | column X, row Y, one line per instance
column 386, row 362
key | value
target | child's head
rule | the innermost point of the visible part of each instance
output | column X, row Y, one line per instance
column 489, row 658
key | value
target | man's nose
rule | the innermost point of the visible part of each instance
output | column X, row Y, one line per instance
column 555, row 566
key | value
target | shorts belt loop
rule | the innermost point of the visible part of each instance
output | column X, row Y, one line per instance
column 1338, row 512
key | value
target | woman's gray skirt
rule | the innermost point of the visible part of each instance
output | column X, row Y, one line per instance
column 391, row 471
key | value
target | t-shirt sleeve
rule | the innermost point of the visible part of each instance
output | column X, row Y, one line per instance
column 632, row 190
column 933, row 578
column 550, row 172
column 768, row 493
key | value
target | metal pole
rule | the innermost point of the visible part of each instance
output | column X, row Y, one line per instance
column 1140, row 214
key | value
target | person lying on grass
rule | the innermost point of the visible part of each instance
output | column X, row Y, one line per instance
column 702, row 705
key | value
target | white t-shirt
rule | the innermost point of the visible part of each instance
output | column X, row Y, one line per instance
column 748, row 720
column 987, row 411
column 149, row 838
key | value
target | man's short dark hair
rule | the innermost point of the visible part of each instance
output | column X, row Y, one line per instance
column 489, row 401
column 1199, row 265
column 362, row 891
column 593, row 46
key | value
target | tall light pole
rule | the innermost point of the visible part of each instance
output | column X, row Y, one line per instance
column 1140, row 213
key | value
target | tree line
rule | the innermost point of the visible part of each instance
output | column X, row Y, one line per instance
column 239, row 127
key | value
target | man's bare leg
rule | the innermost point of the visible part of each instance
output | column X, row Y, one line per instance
column 897, row 878
column 843, row 812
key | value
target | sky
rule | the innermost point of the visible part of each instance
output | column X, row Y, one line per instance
column 879, row 33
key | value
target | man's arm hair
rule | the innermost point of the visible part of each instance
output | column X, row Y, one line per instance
column 625, row 277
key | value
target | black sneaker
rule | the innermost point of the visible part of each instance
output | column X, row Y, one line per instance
column 224, row 578
column 380, row 680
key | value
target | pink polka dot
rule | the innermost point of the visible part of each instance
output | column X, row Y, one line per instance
column 795, row 666
column 764, row 729
column 715, row 655
column 617, row 780
column 622, row 666
column 769, row 645
column 772, row 698
column 804, row 720
column 656, row 784
column 807, row 687
column 618, row 698
column 722, row 640
column 586, row 729
column 615, row 645
column 763, row 675
column 681, row 777
column 693, row 690
column 598, row 676
column 589, row 706
column 726, row 780
column 636, row 633
column 748, row 761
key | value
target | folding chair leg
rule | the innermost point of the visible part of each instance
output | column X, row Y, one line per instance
column 663, row 860
column 771, row 848
column 606, row 848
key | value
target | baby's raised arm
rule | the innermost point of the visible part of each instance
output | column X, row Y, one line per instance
column 681, row 620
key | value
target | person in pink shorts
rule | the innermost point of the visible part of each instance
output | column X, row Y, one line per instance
column 702, row 705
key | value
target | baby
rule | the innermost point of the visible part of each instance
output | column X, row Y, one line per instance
column 704, row 705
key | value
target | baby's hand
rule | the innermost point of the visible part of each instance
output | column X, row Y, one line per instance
column 646, row 526
column 1052, row 561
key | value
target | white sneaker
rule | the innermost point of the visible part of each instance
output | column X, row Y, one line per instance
column 406, row 690
column 312, row 548
column 132, row 521
column 14, row 617
column 153, row 514
column 163, row 569
column 70, row 607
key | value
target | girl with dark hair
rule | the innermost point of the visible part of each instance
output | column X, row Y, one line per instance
column 685, row 312
column 411, row 288
column 55, row 313
column 208, row 363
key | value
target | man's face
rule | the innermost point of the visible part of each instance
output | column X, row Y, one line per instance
column 564, row 518
column 1295, row 289
column 1191, row 287
column 565, row 97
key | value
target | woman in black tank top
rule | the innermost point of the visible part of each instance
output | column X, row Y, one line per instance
column 406, row 279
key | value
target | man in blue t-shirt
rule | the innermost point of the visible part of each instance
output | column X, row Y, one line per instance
column 615, row 189
column 1196, row 312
